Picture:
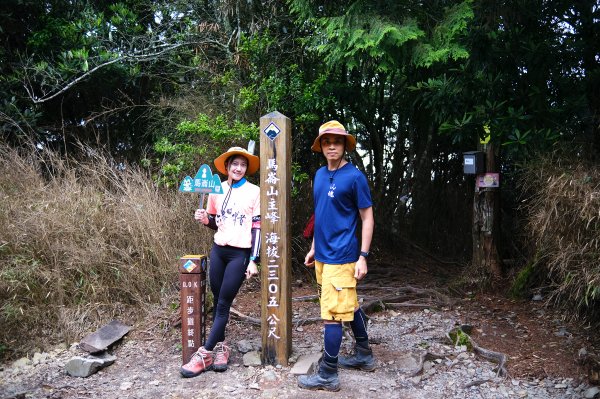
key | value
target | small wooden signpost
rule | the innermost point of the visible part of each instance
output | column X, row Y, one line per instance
column 192, row 284
column 192, row 272
column 276, row 261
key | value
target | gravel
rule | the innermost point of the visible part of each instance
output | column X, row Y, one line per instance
column 149, row 368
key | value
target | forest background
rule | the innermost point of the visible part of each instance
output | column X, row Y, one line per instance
column 105, row 106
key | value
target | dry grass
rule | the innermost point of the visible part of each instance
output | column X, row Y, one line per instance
column 82, row 243
column 564, row 222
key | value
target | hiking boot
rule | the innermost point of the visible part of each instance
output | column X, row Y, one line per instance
column 222, row 353
column 201, row 361
column 362, row 359
column 326, row 379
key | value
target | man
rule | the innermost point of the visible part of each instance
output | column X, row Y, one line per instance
column 341, row 194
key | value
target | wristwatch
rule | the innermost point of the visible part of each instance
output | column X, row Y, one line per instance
column 364, row 254
column 253, row 258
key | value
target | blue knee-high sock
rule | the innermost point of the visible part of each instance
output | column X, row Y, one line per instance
column 333, row 341
column 359, row 328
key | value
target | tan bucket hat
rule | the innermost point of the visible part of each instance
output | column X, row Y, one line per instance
column 333, row 127
column 253, row 160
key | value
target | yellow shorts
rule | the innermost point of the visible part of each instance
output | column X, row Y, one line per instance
column 338, row 291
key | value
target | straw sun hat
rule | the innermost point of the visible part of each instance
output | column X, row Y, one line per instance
column 253, row 160
column 333, row 127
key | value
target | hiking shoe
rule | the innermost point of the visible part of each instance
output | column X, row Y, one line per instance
column 325, row 379
column 201, row 361
column 222, row 353
column 362, row 359
column 316, row 381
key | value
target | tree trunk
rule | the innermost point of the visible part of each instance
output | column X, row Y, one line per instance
column 486, row 217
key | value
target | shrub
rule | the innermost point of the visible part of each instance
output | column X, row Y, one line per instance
column 564, row 223
column 82, row 242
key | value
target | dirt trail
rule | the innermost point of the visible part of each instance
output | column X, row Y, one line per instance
column 542, row 355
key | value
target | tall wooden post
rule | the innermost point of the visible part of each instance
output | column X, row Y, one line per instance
column 276, row 257
column 192, row 281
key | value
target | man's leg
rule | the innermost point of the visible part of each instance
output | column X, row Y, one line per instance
column 326, row 378
column 362, row 358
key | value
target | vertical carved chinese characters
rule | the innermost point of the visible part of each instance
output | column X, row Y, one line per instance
column 275, row 180
column 192, row 281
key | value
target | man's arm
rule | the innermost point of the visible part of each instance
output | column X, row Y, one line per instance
column 368, row 223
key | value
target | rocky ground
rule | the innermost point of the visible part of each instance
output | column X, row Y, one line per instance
column 415, row 359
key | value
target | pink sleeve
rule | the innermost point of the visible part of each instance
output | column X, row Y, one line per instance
column 211, row 206
column 256, row 212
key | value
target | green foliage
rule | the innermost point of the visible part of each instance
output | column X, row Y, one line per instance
column 377, row 41
column 367, row 34
column 459, row 338
column 299, row 92
column 248, row 97
column 524, row 281
column 298, row 177
column 217, row 129
column 360, row 35
column 416, row 82
column 195, row 142
column 591, row 296
column 446, row 39
column 79, row 41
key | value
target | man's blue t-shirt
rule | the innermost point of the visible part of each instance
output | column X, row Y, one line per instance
column 336, row 213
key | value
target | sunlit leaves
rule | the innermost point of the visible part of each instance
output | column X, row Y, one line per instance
column 354, row 38
column 195, row 142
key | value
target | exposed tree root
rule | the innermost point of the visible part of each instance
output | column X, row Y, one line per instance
column 496, row 357
column 475, row 383
column 305, row 298
column 243, row 317
column 405, row 297
column 459, row 337
column 256, row 321
column 423, row 357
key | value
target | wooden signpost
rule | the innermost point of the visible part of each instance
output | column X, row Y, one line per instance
column 276, row 259
column 192, row 284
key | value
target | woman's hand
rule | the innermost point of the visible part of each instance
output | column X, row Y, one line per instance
column 251, row 270
column 201, row 215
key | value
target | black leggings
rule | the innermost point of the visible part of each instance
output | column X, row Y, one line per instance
column 227, row 272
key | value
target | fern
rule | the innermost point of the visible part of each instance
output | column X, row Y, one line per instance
column 444, row 44
column 361, row 33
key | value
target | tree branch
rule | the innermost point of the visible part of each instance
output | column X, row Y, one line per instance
column 136, row 56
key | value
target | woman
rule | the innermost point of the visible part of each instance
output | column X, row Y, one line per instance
column 235, row 216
